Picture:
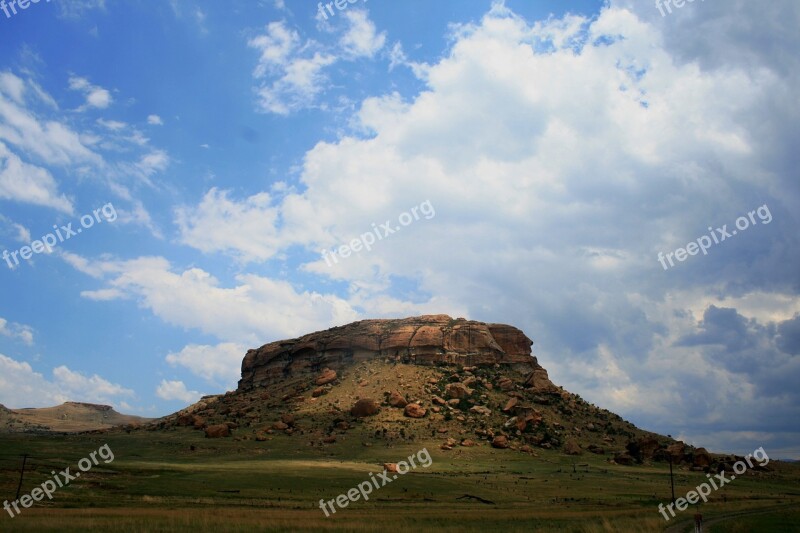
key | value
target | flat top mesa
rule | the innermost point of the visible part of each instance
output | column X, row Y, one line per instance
column 422, row 340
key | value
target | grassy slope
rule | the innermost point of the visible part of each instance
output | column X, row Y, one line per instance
column 157, row 482
column 156, row 479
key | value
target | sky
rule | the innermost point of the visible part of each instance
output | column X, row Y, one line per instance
column 181, row 181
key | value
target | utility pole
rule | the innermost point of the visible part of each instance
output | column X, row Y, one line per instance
column 671, row 478
column 698, row 523
column 21, row 473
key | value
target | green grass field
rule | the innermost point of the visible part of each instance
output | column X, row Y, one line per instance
column 158, row 483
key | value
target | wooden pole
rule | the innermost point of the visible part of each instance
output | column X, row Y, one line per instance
column 671, row 479
column 21, row 473
column 698, row 523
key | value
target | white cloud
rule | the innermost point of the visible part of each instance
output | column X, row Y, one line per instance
column 561, row 157
column 12, row 86
column 245, row 229
column 23, row 233
column 291, row 75
column 103, row 295
column 361, row 38
column 96, row 96
column 195, row 299
column 154, row 120
column 113, row 125
column 153, row 162
column 42, row 95
column 297, row 88
column 21, row 386
column 27, row 183
column 52, row 141
column 218, row 365
column 96, row 386
column 275, row 46
column 78, row 8
column 16, row 331
column 176, row 390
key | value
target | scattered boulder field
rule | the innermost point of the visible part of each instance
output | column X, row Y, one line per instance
column 458, row 382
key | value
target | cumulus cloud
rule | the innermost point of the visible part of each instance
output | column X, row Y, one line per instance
column 562, row 156
column 16, row 331
column 21, row 386
column 96, row 96
column 26, row 183
column 195, row 299
column 247, row 229
column 176, row 390
column 291, row 76
column 218, row 365
column 292, row 72
column 53, row 141
column 361, row 38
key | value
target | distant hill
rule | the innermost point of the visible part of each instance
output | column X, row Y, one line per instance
column 69, row 417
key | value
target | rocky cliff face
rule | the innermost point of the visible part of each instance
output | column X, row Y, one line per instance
column 424, row 340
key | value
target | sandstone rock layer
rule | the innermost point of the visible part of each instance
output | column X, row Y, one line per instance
column 422, row 340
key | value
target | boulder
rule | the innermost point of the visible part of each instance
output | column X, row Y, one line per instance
column 414, row 410
column 327, row 376
column 538, row 381
column 505, row 384
column 678, row 451
column 702, row 458
column 624, row 459
column 457, row 391
column 648, row 447
column 396, row 400
column 365, row 407
column 510, row 404
column 218, row 431
column 500, row 441
column 571, row 447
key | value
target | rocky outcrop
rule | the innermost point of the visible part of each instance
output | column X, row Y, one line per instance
column 702, row 459
column 422, row 340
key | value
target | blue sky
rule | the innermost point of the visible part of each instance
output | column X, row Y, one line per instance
column 549, row 151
